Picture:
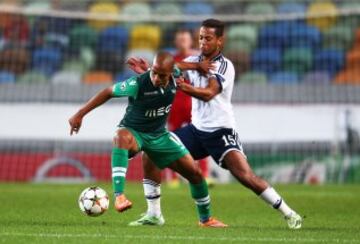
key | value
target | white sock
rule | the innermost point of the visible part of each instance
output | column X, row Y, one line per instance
column 152, row 195
column 274, row 199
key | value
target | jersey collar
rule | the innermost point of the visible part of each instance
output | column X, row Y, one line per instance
column 217, row 57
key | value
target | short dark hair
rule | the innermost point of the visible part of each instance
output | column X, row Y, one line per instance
column 218, row 25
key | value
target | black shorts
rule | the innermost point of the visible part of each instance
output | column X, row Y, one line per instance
column 216, row 144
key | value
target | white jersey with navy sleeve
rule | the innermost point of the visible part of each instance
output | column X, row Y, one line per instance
column 216, row 113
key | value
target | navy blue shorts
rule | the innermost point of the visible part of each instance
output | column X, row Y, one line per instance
column 216, row 144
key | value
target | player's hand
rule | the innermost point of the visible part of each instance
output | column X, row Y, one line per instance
column 204, row 67
column 180, row 82
column 75, row 123
column 138, row 65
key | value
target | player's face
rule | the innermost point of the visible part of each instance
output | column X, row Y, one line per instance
column 183, row 41
column 208, row 41
column 160, row 76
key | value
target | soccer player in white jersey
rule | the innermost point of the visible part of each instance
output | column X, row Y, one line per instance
column 212, row 130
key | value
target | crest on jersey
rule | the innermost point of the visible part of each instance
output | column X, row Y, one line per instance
column 123, row 86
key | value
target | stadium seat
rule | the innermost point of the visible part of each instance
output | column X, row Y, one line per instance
column 228, row 8
column 54, row 24
column 103, row 8
column 322, row 7
column 329, row 60
column 16, row 30
column 33, row 77
column 259, row 8
column 46, row 60
column 353, row 59
column 316, row 78
column 196, row 8
column 302, row 35
column 66, row 77
column 241, row 38
column 338, row 37
column 70, row 5
column 348, row 77
column 138, row 9
column 15, row 60
column 353, row 20
column 267, row 60
column 284, row 77
column 167, row 9
column 291, row 8
column 38, row 6
column 75, row 65
column 113, row 39
column 98, row 77
column 56, row 40
column 274, row 35
column 82, row 36
column 145, row 37
column 298, row 60
column 7, row 77
column 252, row 77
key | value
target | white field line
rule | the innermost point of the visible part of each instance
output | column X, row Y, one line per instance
column 174, row 237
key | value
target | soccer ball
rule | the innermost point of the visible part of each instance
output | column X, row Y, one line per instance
column 93, row 201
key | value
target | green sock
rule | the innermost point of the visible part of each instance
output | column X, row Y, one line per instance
column 201, row 196
column 119, row 164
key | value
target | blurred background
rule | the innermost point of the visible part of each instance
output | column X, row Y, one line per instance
column 296, row 96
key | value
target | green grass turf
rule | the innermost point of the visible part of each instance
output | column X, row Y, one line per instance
column 31, row 213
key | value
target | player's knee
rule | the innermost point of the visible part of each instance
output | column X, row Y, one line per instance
column 196, row 177
column 122, row 139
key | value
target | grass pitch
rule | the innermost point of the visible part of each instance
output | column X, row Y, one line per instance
column 32, row 213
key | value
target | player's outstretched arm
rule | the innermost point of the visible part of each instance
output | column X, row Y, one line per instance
column 205, row 94
column 140, row 65
column 202, row 67
column 76, row 120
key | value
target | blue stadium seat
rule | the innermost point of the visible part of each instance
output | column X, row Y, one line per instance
column 55, row 25
column 197, row 8
column 291, row 7
column 330, row 60
column 283, row 77
column 7, row 77
column 46, row 60
column 113, row 39
column 266, row 60
column 302, row 35
column 274, row 35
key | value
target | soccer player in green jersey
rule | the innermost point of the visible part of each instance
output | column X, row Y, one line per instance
column 150, row 96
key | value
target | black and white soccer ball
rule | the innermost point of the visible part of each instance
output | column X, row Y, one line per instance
column 93, row 201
